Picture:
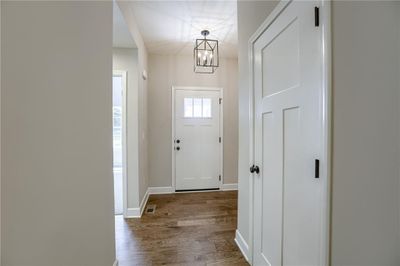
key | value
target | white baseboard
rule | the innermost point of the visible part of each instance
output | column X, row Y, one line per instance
column 243, row 246
column 160, row 190
column 115, row 263
column 144, row 202
column 137, row 212
column 226, row 187
column 132, row 213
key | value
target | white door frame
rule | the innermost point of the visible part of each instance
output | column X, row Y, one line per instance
column 123, row 74
column 221, row 129
column 325, row 24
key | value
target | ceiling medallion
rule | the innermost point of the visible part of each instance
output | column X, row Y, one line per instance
column 205, row 55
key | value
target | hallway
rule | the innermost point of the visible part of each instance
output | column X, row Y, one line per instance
column 186, row 229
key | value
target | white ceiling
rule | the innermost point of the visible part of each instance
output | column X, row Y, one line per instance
column 122, row 38
column 171, row 27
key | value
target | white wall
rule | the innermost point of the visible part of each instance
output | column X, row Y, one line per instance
column 251, row 14
column 0, row 133
column 142, row 94
column 126, row 59
column 398, row 49
column 166, row 71
column 365, row 174
column 57, row 186
column 398, row 114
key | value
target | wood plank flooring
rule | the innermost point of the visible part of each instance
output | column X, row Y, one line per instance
column 186, row 229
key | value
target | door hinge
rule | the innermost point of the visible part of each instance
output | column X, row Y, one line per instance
column 316, row 16
column 316, row 168
column 219, row 177
column 220, row 139
column 220, row 100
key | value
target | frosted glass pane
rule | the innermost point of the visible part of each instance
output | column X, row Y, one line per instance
column 197, row 107
column 188, row 107
column 206, row 107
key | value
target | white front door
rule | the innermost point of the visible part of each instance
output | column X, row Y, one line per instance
column 288, row 194
column 197, row 139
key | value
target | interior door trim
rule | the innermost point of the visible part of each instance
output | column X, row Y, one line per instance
column 221, row 128
column 325, row 167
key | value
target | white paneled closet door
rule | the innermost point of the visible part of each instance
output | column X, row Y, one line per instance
column 288, row 137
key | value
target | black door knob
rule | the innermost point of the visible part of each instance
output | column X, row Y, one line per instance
column 178, row 141
column 178, row 148
column 254, row 168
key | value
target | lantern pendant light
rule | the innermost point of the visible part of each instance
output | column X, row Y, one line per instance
column 205, row 55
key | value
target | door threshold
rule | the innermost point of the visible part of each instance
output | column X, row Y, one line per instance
column 197, row 190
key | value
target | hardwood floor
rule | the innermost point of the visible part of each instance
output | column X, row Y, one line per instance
column 186, row 229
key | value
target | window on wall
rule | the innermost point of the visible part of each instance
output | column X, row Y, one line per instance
column 197, row 107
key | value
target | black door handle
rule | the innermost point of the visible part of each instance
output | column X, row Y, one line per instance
column 178, row 148
column 254, row 168
column 178, row 141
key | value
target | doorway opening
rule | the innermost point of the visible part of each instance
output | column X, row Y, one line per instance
column 119, row 129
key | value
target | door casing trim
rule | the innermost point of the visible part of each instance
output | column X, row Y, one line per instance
column 325, row 24
column 221, row 128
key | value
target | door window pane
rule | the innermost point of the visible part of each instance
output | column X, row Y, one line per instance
column 197, row 112
column 197, row 107
column 206, row 107
column 188, row 107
